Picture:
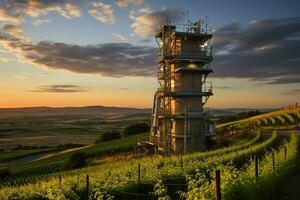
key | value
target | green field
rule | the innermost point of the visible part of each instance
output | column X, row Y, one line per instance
column 54, row 130
column 58, row 161
column 37, row 139
column 118, row 177
column 166, row 177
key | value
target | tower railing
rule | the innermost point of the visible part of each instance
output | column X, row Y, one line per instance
column 205, row 87
column 204, row 111
column 191, row 28
column 201, row 51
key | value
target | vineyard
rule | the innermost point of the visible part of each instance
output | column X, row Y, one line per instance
column 288, row 118
column 34, row 171
column 243, row 171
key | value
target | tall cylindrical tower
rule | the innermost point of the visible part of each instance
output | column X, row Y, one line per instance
column 180, row 121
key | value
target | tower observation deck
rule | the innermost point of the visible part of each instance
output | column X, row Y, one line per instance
column 180, row 122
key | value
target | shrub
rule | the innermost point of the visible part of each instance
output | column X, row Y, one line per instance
column 136, row 129
column 76, row 160
column 108, row 136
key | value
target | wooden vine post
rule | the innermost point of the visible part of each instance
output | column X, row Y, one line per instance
column 59, row 180
column 131, row 167
column 285, row 150
column 256, row 167
column 273, row 161
column 217, row 185
column 87, row 186
column 139, row 175
column 181, row 163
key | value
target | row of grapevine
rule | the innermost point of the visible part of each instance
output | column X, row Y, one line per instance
column 288, row 118
column 244, row 184
column 109, row 179
column 30, row 176
column 42, row 168
column 26, row 176
column 222, row 151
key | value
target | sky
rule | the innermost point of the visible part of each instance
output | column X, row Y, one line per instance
column 80, row 53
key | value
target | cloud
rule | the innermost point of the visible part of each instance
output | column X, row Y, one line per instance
column 38, row 22
column 146, row 24
column 103, row 12
column 13, row 11
column 134, row 13
column 107, row 59
column 4, row 51
column 7, row 16
column 290, row 78
column 35, row 8
column 13, row 30
column 22, row 77
column 125, row 3
column 145, row 40
column 59, row 89
column 6, row 60
column 120, row 37
column 292, row 92
column 73, row 10
column 263, row 51
column 222, row 87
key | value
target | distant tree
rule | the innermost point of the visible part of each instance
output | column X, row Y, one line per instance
column 136, row 129
column 108, row 136
column 21, row 147
column 76, row 160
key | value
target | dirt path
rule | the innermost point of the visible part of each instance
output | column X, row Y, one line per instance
column 62, row 152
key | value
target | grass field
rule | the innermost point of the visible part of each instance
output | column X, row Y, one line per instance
column 118, row 178
column 56, row 162
column 50, row 131
column 237, row 149
column 55, row 130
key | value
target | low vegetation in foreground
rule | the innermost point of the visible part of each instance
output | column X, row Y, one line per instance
column 192, row 171
column 41, row 169
column 248, row 170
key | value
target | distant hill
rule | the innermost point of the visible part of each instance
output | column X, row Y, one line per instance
column 101, row 111
column 232, row 111
column 97, row 111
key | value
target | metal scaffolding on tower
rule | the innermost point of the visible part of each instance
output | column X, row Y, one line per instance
column 180, row 122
